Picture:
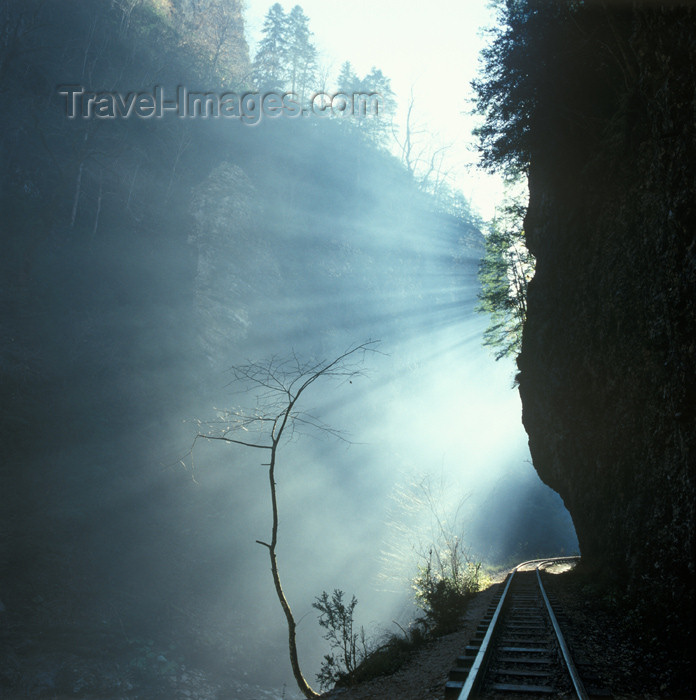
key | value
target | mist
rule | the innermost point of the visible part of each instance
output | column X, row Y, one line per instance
column 135, row 278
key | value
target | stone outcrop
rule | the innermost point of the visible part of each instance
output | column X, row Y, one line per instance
column 608, row 363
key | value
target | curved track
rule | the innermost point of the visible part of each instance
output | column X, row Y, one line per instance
column 519, row 648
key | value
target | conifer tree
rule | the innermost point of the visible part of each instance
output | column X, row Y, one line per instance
column 301, row 53
column 372, row 103
column 377, row 122
column 270, row 63
column 348, row 81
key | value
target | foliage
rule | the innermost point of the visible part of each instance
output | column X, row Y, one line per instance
column 508, row 94
column 373, row 125
column 286, row 58
column 350, row 647
column 444, row 586
column 354, row 659
column 373, row 110
column 447, row 573
column 301, row 54
column 502, row 136
column 551, row 74
column 212, row 31
column 270, row 63
column 504, row 274
column 447, row 579
column 430, row 524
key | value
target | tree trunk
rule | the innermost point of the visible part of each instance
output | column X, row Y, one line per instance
column 292, row 643
column 301, row 681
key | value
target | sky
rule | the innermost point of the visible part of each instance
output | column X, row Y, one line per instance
column 431, row 48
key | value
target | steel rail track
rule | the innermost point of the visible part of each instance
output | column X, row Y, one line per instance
column 519, row 648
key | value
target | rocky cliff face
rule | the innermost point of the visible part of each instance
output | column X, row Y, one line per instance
column 608, row 365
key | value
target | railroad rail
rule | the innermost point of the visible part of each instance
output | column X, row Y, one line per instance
column 518, row 649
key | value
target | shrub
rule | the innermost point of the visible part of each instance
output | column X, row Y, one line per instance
column 444, row 585
column 349, row 647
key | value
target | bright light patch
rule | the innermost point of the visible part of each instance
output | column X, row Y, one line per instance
column 431, row 50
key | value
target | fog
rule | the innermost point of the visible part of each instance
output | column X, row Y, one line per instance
column 156, row 258
column 434, row 410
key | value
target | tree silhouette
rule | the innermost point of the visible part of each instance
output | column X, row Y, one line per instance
column 302, row 54
column 373, row 103
column 270, row 64
column 348, row 81
column 276, row 386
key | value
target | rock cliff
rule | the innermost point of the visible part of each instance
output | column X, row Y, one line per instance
column 608, row 362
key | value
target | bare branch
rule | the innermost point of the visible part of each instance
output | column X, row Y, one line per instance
column 236, row 442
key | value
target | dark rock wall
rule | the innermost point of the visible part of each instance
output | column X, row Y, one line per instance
column 608, row 363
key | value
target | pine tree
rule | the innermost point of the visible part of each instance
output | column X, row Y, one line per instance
column 301, row 54
column 377, row 121
column 348, row 81
column 270, row 63
column 372, row 101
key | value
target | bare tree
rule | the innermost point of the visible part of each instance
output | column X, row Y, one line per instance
column 213, row 30
column 423, row 160
column 277, row 385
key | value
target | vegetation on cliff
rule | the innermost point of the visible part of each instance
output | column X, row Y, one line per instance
column 505, row 272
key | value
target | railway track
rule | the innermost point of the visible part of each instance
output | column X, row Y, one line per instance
column 518, row 649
